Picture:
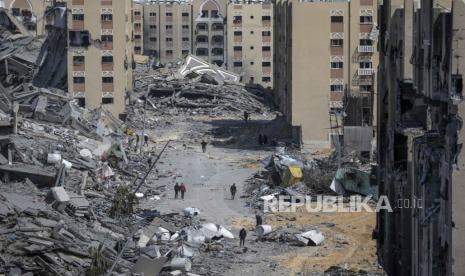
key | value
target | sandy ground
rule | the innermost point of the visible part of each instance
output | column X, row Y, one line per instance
column 208, row 177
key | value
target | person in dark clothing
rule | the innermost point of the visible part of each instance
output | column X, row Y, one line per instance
column 176, row 191
column 260, row 139
column 233, row 190
column 246, row 116
column 204, row 146
column 149, row 161
column 146, row 140
column 258, row 219
column 265, row 139
column 242, row 235
column 182, row 189
column 137, row 141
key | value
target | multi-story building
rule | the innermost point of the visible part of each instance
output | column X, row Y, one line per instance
column 31, row 13
column 208, row 17
column 100, row 53
column 324, row 60
column 138, row 12
column 421, row 158
column 249, row 47
column 167, row 29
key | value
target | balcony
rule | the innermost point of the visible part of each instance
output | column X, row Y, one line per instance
column 266, row 23
column 107, row 66
column 107, row 87
column 266, row 55
column 78, row 24
column 107, row 45
column 79, row 87
column 365, row 72
column 237, row 38
column 79, row 67
column 107, row 24
column 337, row 27
column 366, row 49
column 77, row 2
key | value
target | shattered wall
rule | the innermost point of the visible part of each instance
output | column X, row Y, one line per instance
column 419, row 137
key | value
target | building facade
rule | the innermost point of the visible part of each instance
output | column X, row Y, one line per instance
column 138, row 27
column 100, row 53
column 324, row 69
column 167, row 30
column 249, row 41
column 421, row 159
column 31, row 13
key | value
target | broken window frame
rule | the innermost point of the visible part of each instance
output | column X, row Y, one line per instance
column 366, row 88
column 365, row 65
column 107, row 38
column 337, row 19
column 365, row 42
column 340, row 42
column 79, row 38
column 237, row 64
column 366, row 19
column 185, row 14
column 78, row 60
column 338, row 88
column 152, row 14
column 266, row 49
column 169, row 27
column 266, row 79
column 168, row 14
column 237, row 19
column 78, row 17
column 79, row 80
column 266, row 33
column 153, row 27
column 107, row 59
column 266, row 64
column 108, row 100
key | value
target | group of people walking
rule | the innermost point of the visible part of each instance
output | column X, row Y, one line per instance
column 179, row 189
column 138, row 140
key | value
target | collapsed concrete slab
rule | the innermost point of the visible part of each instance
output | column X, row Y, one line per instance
column 194, row 64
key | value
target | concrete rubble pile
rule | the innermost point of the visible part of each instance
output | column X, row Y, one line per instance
column 206, row 89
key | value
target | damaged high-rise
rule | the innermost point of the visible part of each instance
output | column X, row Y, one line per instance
column 421, row 135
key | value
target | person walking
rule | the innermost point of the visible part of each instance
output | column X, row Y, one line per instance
column 176, row 190
column 242, row 235
column 233, row 191
column 258, row 219
column 204, row 146
column 146, row 140
column 182, row 189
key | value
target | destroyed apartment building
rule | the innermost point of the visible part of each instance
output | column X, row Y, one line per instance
column 420, row 137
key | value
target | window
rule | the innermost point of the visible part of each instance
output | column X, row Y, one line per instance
column 79, row 38
column 81, row 102
column 266, row 79
column 204, row 14
column 169, row 52
column 366, row 88
column 266, row 64
column 107, row 79
column 169, row 14
column 78, row 60
column 153, row 39
column 137, row 37
column 153, row 14
column 252, row 79
column 79, row 79
column 79, row 17
column 266, row 48
column 237, row 48
column 266, row 33
column 137, row 25
column 185, row 52
column 107, row 38
column 15, row 11
column 337, row 42
column 185, row 27
column 366, row 42
column 215, row 14
column 365, row 65
column 237, row 64
column 366, row 19
column 336, row 65
column 169, row 27
column 107, row 17
column 107, row 59
column 266, row 18
column 185, row 39
column 137, row 48
column 237, row 33
column 152, row 27
column 137, row 13
column 107, row 100
column 185, row 14
column 337, row 19
column 337, row 88
column 237, row 19
column 169, row 39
